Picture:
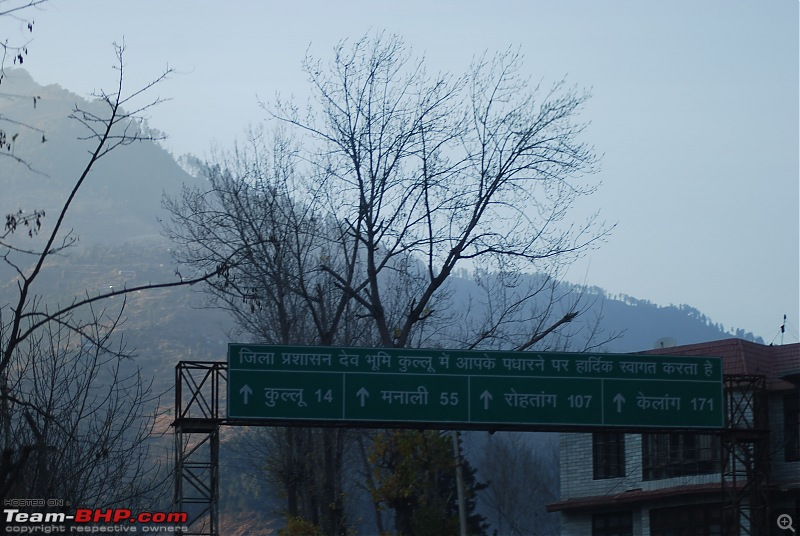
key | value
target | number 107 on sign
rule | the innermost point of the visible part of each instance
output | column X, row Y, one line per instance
column 579, row 401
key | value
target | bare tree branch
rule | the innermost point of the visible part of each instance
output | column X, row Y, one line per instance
column 73, row 404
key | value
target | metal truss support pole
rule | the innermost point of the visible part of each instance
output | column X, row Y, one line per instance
column 745, row 457
column 197, row 420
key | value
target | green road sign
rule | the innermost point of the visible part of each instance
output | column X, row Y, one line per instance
column 473, row 389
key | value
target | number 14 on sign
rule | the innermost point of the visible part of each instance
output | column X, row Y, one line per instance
column 326, row 396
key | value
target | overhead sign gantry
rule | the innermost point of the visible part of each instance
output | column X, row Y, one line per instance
column 472, row 389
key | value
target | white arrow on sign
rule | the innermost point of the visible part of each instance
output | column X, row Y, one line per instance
column 245, row 391
column 486, row 396
column 619, row 400
column 363, row 394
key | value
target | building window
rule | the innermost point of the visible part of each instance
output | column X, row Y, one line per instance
column 612, row 524
column 608, row 454
column 696, row 520
column 671, row 455
column 791, row 426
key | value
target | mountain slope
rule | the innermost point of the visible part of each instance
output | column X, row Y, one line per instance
column 116, row 217
column 121, row 198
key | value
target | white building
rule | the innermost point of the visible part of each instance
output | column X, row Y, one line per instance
column 696, row 484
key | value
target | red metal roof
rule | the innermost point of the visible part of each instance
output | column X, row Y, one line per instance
column 745, row 357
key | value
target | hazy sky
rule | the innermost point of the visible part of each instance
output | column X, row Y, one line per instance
column 694, row 107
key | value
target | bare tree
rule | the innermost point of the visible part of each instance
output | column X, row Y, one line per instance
column 73, row 408
column 522, row 479
column 372, row 198
column 274, row 244
column 479, row 170
column 85, row 417
column 426, row 174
